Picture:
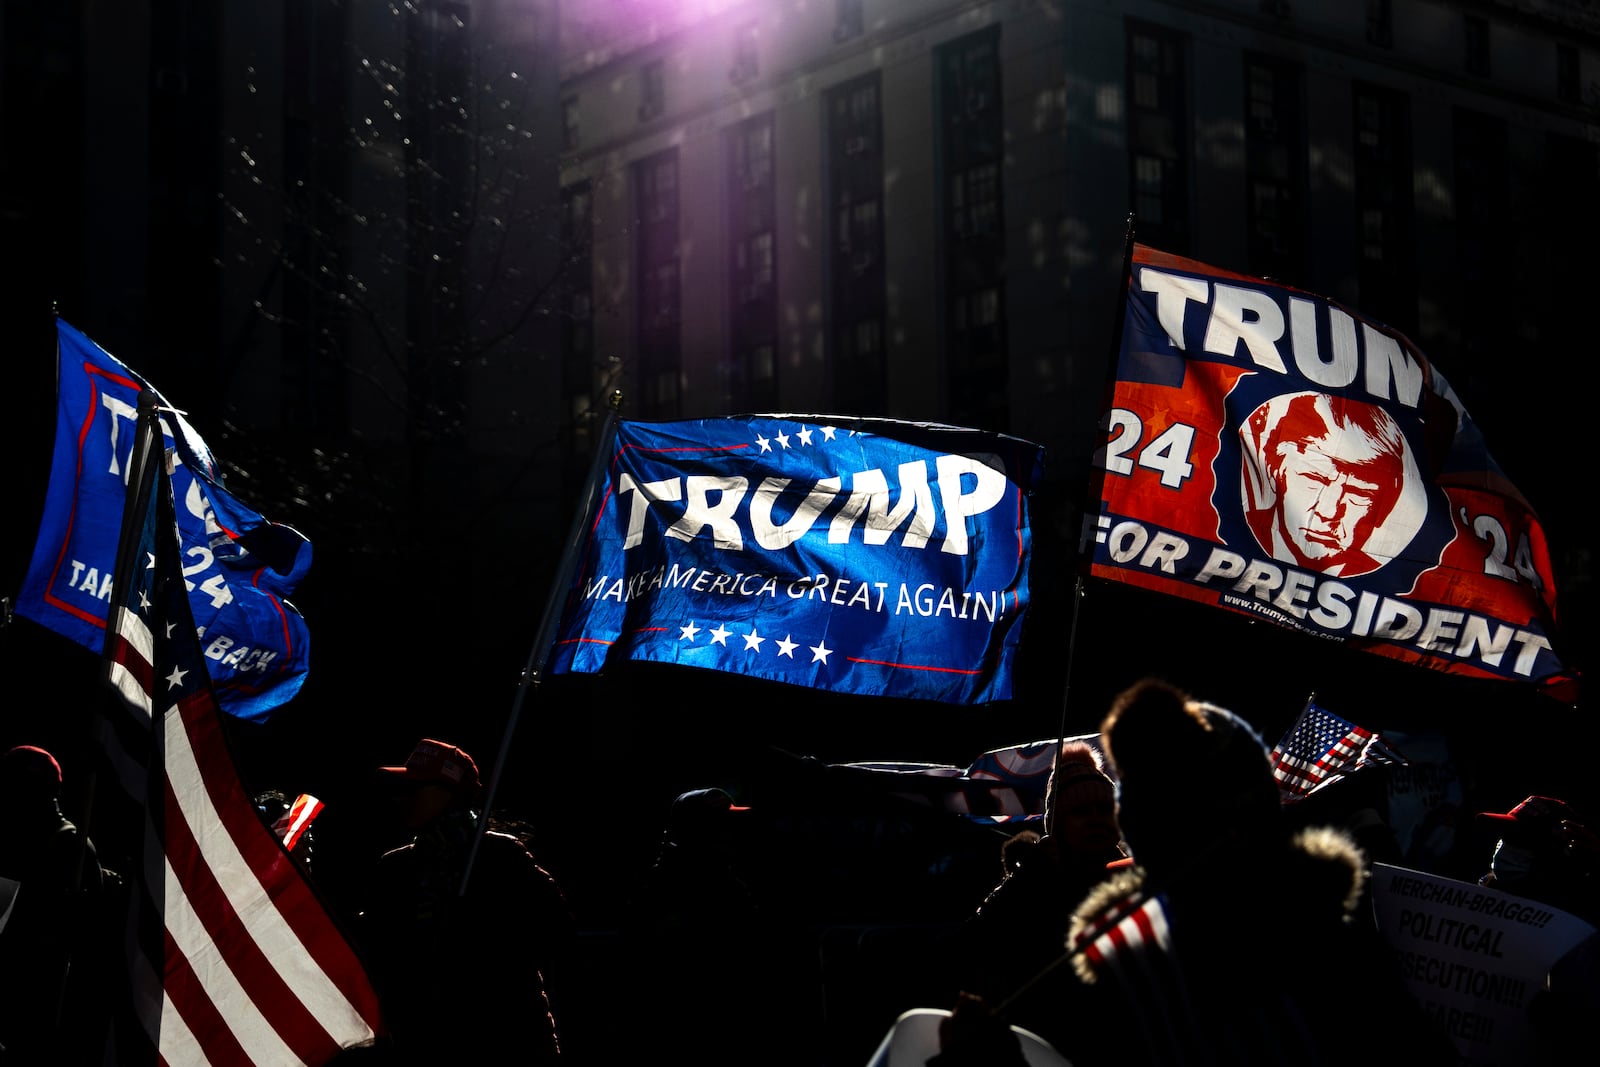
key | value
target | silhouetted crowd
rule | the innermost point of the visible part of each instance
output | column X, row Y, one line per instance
column 1167, row 908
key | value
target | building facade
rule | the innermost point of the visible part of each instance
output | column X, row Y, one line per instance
column 918, row 208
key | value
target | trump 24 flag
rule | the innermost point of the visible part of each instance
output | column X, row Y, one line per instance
column 1271, row 452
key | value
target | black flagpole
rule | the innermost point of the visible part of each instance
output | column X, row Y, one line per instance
column 1083, row 546
column 545, row 638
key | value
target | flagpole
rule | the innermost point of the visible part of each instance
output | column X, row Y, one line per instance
column 1084, row 559
column 545, row 637
column 136, row 500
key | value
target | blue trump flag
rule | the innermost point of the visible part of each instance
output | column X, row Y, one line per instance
column 239, row 568
column 862, row 556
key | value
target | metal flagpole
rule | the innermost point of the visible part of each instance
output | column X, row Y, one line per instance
column 545, row 637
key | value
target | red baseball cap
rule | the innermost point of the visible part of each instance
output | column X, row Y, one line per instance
column 437, row 763
column 1535, row 819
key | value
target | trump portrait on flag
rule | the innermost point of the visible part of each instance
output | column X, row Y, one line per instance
column 1329, row 484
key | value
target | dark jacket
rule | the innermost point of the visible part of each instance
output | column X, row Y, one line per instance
column 1261, row 958
column 463, row 977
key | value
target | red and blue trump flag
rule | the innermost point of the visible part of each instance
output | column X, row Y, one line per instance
column 861, row 556
column 239, row 568
column 1273, row 453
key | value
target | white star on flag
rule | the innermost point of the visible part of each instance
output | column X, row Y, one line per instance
column 820, row 652
column 175, row 679
column 686, row 633
column 719, row 636
column 827, row 433
column 766, row 444
column 782, row 439
column 753, row 640
column 786, row 647
column 805, row 435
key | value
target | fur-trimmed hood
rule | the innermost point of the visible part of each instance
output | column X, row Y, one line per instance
column 1315, row 882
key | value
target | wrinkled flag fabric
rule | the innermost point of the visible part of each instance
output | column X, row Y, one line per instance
column 231, row 956
column 240, row 568
column 862, row 556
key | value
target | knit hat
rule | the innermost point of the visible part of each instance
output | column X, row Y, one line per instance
column 1077, row 777
column 1190, row 775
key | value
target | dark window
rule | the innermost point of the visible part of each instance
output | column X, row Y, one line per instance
column 1380, row 23
column 1568, row 83
column 569, row 123
column 855, row 253
column 1275, row 154
column 971, row 147
column 746, row 59
column 1158, row 138
column 577, row 329
column 1384, row 211
column 659, row 296
column 848, row 19
column 1477, row 38
column 751, row 373
column 652, row 90
column 1483, row 253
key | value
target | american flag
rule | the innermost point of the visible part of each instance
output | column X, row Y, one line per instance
column 1140, row 929
column 232, row 957
column 1321, row 748
column 294, row 822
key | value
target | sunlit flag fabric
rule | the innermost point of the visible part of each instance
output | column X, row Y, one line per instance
column 1272, row 453
column 856, row 555
column 240, row 568
column 232, row 958
column 1321, row 748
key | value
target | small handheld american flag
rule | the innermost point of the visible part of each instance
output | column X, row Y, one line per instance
column 1322, row 747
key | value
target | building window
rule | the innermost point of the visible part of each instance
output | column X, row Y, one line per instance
column 652, row 90
column 1383, row 195
column 1568, row 82
column 746, row 60
column 1380, row 23
column 751, row 372
column 971, row 150
column 848, row 20
column 1482, row 203
column 577, row 331
column 1275, row 154
column 659, row 298
column 857, row 295
column 1477, row 39
column 1158, row 137
column 569, row 123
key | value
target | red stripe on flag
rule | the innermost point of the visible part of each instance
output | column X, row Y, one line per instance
column 279, row 882
column 195, row 1007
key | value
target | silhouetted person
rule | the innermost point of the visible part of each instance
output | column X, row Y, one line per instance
column 1018, row 930
column 1233, row 939
column 710, row 962
column 1545, row 852
column 46, row 1015
column 461, row 977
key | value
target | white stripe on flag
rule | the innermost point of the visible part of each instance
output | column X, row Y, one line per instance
column 135, row 633
column 276, row 939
